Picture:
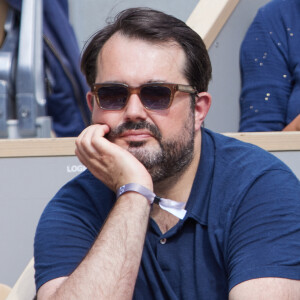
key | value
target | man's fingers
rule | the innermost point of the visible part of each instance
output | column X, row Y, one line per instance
column 110, row 163
column 87, row 140
column 88, row 132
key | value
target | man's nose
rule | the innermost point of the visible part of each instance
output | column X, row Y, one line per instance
column 134, row 109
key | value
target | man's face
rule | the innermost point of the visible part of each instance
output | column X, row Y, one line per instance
column 162, row 140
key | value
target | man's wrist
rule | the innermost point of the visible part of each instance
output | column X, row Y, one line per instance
column 173, row 207
column 135, row 187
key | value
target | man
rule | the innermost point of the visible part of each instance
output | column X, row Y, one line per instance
column 105, row 235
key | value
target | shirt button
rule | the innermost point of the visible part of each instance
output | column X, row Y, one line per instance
column 163, row 241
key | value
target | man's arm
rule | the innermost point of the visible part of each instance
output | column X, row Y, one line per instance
column 265, row 289
column 263, row 247
column 110, row 269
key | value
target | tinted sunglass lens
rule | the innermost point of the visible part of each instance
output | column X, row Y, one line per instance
column 112, row 97
column 156, row 97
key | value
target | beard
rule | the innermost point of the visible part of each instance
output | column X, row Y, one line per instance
column 171, row 158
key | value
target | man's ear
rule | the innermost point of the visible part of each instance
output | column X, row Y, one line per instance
column 202, row 105
column 90, row 100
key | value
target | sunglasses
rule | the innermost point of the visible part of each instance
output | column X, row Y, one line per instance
column 154, row 96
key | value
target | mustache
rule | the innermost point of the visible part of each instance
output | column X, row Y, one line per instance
column 115, row 132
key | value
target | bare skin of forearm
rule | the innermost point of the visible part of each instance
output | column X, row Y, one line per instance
column 110, row 269
column 294, row 125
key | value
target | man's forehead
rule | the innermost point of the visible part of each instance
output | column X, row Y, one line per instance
column 118, row 37
column 121, row 52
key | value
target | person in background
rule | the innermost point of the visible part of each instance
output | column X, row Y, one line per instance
column 65, row 85
column 166, row 209
column 270, row 68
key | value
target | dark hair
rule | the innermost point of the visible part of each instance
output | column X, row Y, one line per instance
column 154, row 26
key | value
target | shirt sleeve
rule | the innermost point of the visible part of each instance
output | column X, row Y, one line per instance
column 68, row 227
column 266, row 76
column 264, row 237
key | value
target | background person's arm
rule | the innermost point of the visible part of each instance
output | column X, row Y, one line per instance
column 294, row 125
column 266, row 70
column 110, row 269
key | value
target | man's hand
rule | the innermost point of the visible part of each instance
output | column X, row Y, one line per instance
column 108, row 162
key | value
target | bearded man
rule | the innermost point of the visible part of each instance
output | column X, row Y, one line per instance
column 166, row 209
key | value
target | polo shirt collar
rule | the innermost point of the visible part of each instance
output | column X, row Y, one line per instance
column 197, row 205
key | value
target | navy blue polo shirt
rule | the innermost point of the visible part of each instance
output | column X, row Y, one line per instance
column 242, row 222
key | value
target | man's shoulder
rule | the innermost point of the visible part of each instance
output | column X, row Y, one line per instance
column 231, row 146
column 82, row 193
column 84, row 181
column 243, row 172
column 239, row 167
column 239, row 157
